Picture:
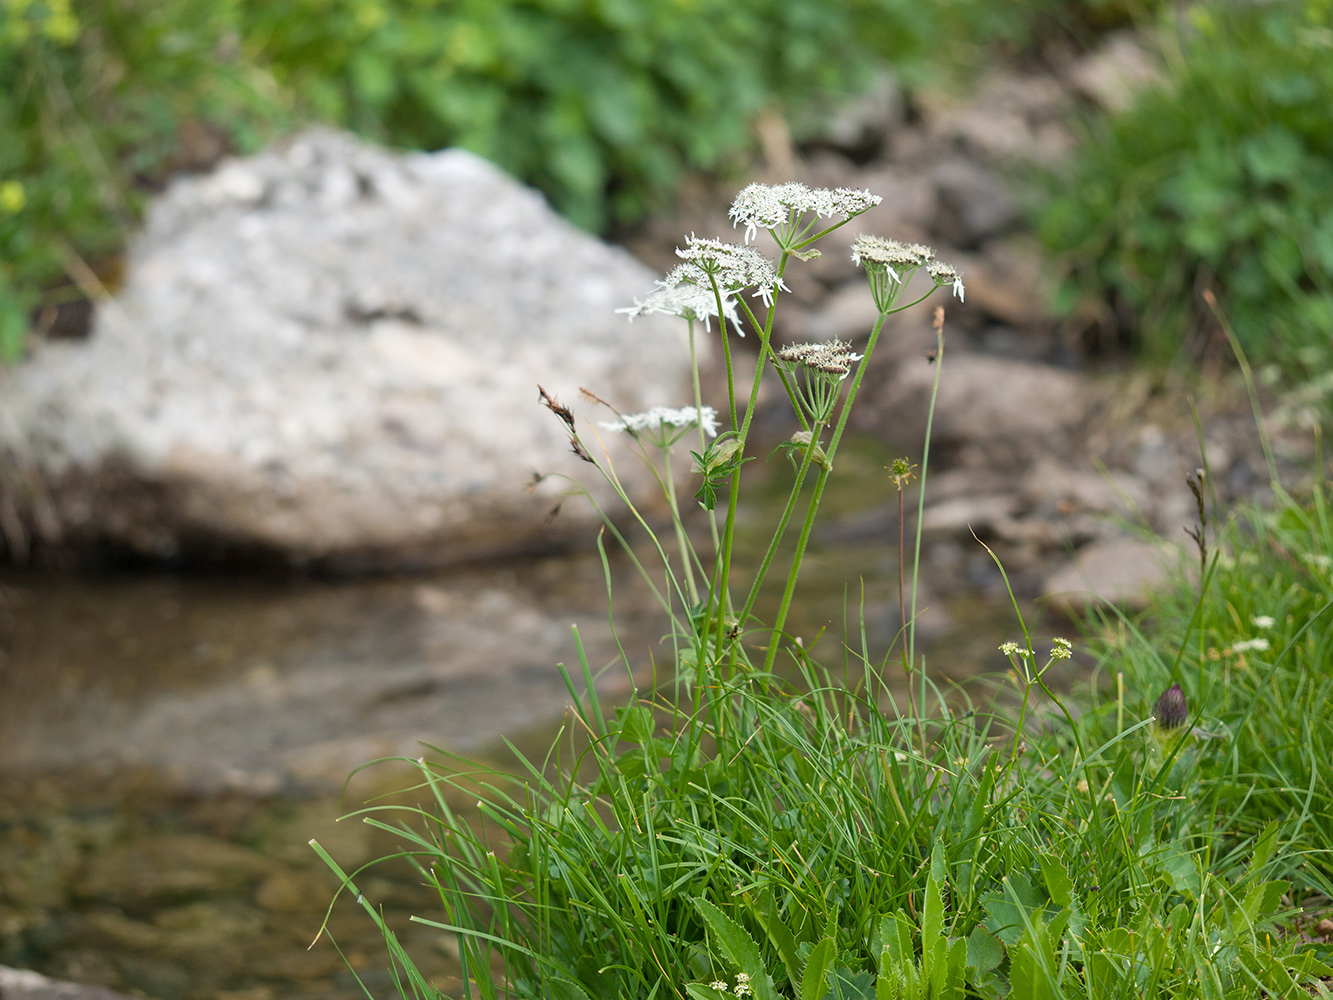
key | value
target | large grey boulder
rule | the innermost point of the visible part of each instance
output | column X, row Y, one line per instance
column 331, row 352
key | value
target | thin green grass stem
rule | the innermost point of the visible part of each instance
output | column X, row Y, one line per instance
column 910, row 625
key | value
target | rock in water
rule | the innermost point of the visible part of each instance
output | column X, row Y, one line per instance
column 331, row 352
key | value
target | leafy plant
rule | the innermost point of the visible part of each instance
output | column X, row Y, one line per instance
column 1221, row 178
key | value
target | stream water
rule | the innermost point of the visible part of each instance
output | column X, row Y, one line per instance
column 170, row 743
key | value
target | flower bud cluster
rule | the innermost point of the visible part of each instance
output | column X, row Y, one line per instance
column 832, row 357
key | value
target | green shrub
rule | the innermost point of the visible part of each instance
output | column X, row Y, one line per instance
column 1222, row 178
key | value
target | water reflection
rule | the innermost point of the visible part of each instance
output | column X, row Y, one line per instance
column 169, row 744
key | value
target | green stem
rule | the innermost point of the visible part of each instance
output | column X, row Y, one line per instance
column 910, row 625
column 722, row 587
column 781, row 528
column 681, row 541
column 832, row 450
column 699, row 409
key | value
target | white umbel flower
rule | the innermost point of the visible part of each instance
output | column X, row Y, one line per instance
column 768, row 206
column 874, row 253
column 832, row 357
column 686, row 300
column 660, row 417
column 944, row 274
column 732, row 265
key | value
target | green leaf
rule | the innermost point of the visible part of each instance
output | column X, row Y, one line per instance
column 848, row 985
column 1058, row 882
column 1264, row 847
column 984, row 952
column 636, row 724
column 816, row 969
column 738, row 947
column 765, row 910
column 1275, row 155
column 564, row 989
column 932, row 917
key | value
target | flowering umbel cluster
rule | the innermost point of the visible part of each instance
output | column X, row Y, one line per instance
column 898, row 261
column 768, row 206
column 732, row 266
column 686, row 300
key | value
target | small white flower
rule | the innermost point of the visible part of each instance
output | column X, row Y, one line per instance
column 1262, row 621
column 1009, row 648
column 1246, row 645
column 743, row 985
column 832, row 357
column 664, row 416
column 872, row 252
column 1062, row 649
column 943, row 274
column 718, row 984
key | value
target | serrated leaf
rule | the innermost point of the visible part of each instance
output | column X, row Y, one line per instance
column 565, row 989
column 984, row 951
column 1264, row 847
column 848, row 985
column 816, row 969
column 765, row 910
column 738, row 947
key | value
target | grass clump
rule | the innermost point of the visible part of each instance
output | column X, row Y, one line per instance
column 772, row 821
column 1221, row 178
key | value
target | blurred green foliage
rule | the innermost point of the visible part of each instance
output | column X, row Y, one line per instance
column 1222, row 179
column 600, row 103
column 94, row 100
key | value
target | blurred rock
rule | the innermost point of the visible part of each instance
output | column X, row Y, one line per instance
column 861, row 126
column 23, row 984
column 1120, row 571
column 331, row 352
column 170, row 867
column 975, row 203
column 1008, row 409
column 1116, row 71
column 1007, row 118
column 1007, row 282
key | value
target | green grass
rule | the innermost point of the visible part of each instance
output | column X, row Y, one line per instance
column 676, row 846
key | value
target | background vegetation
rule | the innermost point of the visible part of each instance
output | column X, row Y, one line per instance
column 1222, row 179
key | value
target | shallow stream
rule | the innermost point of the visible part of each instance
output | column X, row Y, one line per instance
column 170, row 743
